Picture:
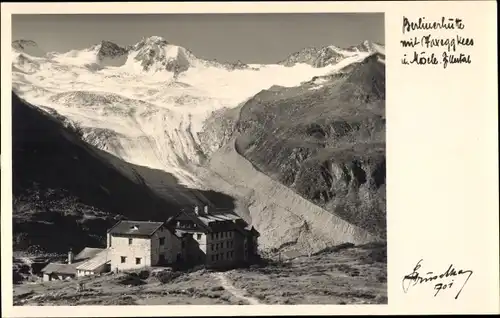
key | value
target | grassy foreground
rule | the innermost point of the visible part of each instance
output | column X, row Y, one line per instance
column 349, row 275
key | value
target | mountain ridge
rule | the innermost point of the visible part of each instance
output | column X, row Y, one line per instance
column 316, row 56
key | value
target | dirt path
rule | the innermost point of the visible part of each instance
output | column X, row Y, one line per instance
column 226, row 283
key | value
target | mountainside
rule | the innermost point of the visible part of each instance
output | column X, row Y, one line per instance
column 326, row 137
column 67, row 193
column 150, row 110
column 311, row 129
column 328, row 55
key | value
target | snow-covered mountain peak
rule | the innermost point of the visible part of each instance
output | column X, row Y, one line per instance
column 109, row 49
column 316, row 57
column 28, row 47
column 156, row 54
column 365, row 46
column 328, row 55
column 152, row 40
column 21, row 44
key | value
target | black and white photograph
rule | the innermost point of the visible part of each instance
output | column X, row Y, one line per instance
column 199, row 159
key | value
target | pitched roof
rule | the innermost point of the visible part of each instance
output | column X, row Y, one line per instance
column 69, row 269
column 88, row 252
column 210, row 218
column 95, row 262
column 216, row 222
column 135, row 228
column 188, row 216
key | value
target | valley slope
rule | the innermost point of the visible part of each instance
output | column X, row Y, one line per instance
column 325, row 140
column 67, row 193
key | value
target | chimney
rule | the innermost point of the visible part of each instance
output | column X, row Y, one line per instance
column 205, row 209
column 196, row 210
column 70, row 256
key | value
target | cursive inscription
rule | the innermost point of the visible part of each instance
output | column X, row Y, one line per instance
column 425, row 48
column 449, row 279
column 423, row 24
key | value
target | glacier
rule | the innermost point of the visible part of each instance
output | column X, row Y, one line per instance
column 147, row 103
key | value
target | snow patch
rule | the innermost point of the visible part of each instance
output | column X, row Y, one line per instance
column 316, row 87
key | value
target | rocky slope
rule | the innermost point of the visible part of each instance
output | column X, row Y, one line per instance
column 288, row 221
column 29, row 47
column 325, row 139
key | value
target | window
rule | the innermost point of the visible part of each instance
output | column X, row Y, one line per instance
column 216, row 235
column 123, row 259
column 198, row 236
column 129, row 241
column 162, row 241
column 212, row 247
column 137, row 260
column 227, row 255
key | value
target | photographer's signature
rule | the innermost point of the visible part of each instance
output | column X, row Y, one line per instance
column 449, row 279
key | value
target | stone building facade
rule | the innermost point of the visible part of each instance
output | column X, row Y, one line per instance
column 215, row 239
column 137, row 244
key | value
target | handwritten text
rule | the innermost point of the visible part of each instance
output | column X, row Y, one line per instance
column 429, row 49
column 442, row 280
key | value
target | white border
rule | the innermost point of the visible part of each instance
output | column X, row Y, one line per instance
column 442, row 156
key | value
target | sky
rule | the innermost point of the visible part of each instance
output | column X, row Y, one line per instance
column 250, row 38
